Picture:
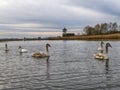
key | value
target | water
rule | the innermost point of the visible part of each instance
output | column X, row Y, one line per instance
column 71, row 66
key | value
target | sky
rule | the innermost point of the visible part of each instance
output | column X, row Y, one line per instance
column 54, row 15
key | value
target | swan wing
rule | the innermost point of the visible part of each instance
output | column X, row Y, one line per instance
column 98, row 56
column 100, row 49
column 106, row 57
column 24, row 50
column 39, row 55
column 101, row 56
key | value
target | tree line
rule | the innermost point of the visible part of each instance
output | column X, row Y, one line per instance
column 103, row 28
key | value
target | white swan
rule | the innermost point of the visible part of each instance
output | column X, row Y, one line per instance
column 101, row 47
column 21, row 50
column 99, row 55
column 40, row 54
column 102, row 56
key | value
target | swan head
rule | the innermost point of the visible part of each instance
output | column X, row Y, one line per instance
column 102, row 43
column 47, row 45
column 108, row 45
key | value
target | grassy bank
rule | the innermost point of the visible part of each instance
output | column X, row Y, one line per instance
column 18, row 39
column 77, row 37
column 88, row 37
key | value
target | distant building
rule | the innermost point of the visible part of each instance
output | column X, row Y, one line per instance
column 68, row 34
column 65, row 34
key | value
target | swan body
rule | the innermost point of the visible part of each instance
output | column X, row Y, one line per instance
column 6, row 48
column 21, row 50
column 41, row 54
column 100, row 49
column 102, row 56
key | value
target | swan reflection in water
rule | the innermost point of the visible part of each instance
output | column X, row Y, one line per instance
column 6, row 48
column 108, row 74
column 107, row 65
column 47, row 68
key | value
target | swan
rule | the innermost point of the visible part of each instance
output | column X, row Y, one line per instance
column 102, row 56
column 6, row 48
column 41, row 54
column 99, row 55
column 21, row 50
column 101, row 47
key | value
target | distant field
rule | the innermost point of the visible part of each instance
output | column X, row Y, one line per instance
column 88, row 37
column 77, row 37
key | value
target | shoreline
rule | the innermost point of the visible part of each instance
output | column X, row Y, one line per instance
column 89, row 37
column 17, row 39
column 77, row 37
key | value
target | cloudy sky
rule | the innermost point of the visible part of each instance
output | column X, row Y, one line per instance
column 48, row 15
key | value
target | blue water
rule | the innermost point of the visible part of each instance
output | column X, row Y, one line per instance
column 71, row 66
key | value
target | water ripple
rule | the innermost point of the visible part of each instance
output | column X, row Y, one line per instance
column 70, row 67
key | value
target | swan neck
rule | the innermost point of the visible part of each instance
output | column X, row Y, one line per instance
column 102, row 45
column 47, row 50
column 6, row 47
column 20, row 50
column 106, row 49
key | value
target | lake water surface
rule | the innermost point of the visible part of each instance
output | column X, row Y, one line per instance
column 71, row 66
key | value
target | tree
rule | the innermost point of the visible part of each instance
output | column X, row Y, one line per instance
column 64, row 30
column 119, row 28
column 86, row 29
column 90, row 30
column 110, row 26
column 102, row 28
column 115, row 27
column 97, row 28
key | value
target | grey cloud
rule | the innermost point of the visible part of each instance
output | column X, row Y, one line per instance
column 104, row 6
column 54, row 14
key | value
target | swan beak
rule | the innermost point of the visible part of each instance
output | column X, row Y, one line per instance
column 110, row 45
column 49, row 45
